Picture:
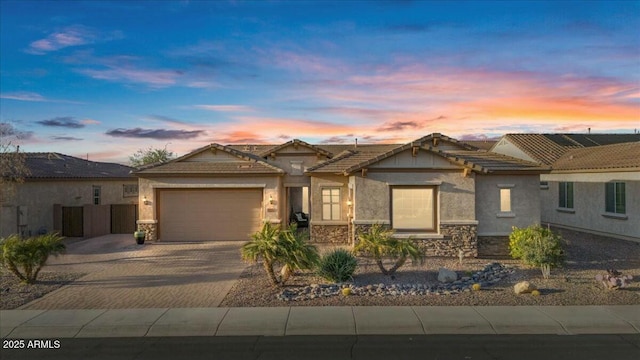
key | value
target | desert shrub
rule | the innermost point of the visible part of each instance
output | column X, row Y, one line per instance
column 379, row 243
column 26, row 257
column 286, row 248
column 338, row 265
column 537, row 246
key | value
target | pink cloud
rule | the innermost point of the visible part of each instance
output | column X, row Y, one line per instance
column 23, row 96
column 152, row 78
column 70, row 36
column 225, row 108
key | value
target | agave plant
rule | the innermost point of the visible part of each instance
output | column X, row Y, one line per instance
column 380, row 244
column 276, row 247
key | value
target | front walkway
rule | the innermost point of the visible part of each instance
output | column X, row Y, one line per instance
column 122, row 274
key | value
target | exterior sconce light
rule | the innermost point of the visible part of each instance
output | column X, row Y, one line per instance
column 270, row 199
column 349, row 203
column 146, row 201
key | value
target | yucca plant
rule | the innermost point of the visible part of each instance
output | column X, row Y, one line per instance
column 26, row 257
column 286, row 248
column 380, row 244
column 338, row 265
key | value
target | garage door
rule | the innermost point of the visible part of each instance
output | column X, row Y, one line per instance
column 193, row 215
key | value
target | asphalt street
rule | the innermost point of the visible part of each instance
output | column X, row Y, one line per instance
column 428, row 347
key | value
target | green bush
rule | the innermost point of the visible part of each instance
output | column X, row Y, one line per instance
column 338, row 265
column 537, row 246
column 26, row 257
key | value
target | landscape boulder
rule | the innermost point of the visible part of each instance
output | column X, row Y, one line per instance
column 447, row 276
column 523, row 287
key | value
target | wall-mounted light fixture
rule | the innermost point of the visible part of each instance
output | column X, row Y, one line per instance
column 146, row 201
column 270, row 199
column 349, row 203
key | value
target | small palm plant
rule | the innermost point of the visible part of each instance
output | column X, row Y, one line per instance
column 296, row 252
column 286, row 248
column 380, row 244
column 26, row 257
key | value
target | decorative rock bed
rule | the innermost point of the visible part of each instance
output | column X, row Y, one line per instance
column 491, row 274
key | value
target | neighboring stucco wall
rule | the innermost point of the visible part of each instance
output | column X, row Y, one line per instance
column 525, row 203
column 40, row 196
column 456, row 198
column 589, row 205
column 272, row 186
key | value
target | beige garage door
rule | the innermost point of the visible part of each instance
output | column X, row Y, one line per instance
column 193, row 215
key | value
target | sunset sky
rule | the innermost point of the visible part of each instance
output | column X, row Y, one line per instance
column 105, row 78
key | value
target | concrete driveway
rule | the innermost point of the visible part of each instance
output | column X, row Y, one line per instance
column 122, row 274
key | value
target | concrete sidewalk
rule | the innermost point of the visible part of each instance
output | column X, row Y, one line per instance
column 286, row 321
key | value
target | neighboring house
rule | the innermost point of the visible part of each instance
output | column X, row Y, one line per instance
column 72, row 196
column 443, row 192
column 591, row 179
column 595, row 189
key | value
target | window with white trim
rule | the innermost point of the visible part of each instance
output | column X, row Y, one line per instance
column 331, row 203
column 615, row 198
column 565, row 195
column 413, row 208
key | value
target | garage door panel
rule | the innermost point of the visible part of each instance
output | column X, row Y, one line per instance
column 193, row 215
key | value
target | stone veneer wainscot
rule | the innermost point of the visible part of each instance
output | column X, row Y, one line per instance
column 454, row 237
column 150, row 228
column 332, row 234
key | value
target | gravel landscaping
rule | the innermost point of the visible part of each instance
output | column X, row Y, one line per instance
column 575, row 284
column 15, row 294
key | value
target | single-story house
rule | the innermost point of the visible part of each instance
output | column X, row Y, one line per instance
column 448, row 194
column 593, row 185
column 72, row 196
column 595, row 189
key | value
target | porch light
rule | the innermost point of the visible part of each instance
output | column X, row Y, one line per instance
column 349, row 203
column 270, row 199
column 145, row 200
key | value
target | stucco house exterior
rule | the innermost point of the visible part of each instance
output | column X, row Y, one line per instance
column 449, row 195
column 72, row 196
column 593, row 185
column 595, row 189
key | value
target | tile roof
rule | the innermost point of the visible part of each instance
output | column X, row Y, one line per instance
column 60, row 166
column 490, row 162
column 315, row 148
column 210, row 168
column 481, row 144
column 547, row 148
column 346, row 159
column 470, row 156
column 624, row 157
column 247, row 163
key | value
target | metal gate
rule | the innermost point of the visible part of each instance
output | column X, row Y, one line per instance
column 123, row 218
column 72, row 221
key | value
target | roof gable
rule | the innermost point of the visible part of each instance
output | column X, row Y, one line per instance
column 435, row 140
column 214, row 159
column 547, row 148
column 295, row 146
